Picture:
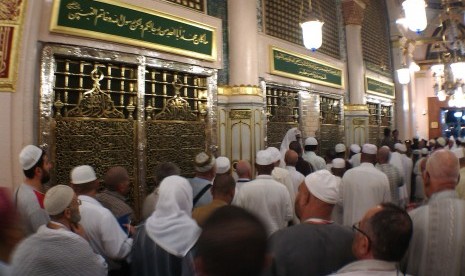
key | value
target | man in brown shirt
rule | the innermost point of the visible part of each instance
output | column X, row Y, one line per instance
column 223, row 191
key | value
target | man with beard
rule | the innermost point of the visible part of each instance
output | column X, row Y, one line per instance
column 29, row 197
column 60, row 236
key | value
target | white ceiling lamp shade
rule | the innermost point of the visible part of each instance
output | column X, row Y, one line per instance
column 458, row 69
column 415, row 15
column 403, row 75
column 312, row 32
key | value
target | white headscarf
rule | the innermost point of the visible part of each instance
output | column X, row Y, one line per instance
column 288, row 138
column 171, row 226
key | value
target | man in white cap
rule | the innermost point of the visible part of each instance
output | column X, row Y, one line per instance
column 437, row 245
column 317, row 162
column 405, row 167
column 29, row 197
column 105, row 234
column 280, row 174
column 205, row 171
column 354, row 155
column 266, row 197
column 317, row 246
column 338, row 169
column 393, row 175
column 364, row 187
column 440, row 143
column 223, row 165
column 59, row 247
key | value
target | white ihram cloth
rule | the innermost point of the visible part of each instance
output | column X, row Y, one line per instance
column 57, row 252
column 267, row 199
column 103, row 230
column 171, row 225
column 288, row 138
column 397, row 160
column 284, row 177
column 363, row 188
column 355, row 160
column 438, row 241
column 297, row 178
column 317, row 162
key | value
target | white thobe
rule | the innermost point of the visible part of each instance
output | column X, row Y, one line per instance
column 296, row 177
column 437, row 246
column 419, row 187
column 355, row 160
column 397, row 160
column 407, row 163
column 267, row 199
column 317, row 162
column 460, row 188
column 106, row 236
column 363, row 187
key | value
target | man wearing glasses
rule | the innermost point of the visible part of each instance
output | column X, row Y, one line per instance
column 381, row 240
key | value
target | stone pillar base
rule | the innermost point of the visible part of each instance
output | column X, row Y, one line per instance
column 356, row 124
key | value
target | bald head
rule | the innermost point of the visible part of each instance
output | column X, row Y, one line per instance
column 117, row 179
column 291, row 158
column 442, row 172
column 384, row 154
column 244, row 169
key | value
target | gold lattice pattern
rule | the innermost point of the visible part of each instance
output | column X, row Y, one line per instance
column 170, row 95
column 198, row 5
column 330, row 111
column 329, row 136
column 282, row 21
column 93, row 89
column 386, row 116
column 373, row 110
column 282, row 105
column 375, row 38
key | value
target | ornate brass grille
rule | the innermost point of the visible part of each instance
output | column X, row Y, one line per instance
column 106, row 109
column 386, row 116
column 198, row 5
column 331, row 129
column 330, row 111
column 282, row 106
column 374, row 130
column 375, row 38
column 282, row 21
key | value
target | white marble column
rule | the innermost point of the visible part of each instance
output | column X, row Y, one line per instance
column 243, row 42
column 355, row 66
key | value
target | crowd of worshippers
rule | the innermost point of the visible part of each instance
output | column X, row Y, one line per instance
column 390, row 209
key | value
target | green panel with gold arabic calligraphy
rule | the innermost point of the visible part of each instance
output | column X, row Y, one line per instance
column 299, row 67
column 120, row 22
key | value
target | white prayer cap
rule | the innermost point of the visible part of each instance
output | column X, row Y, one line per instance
column 29, row 156
column 323, row 185
column 432, row 141
column 311, row 141
column 339, row 163
column 340, row 148
column 452, row 138
column 460, row 139
column 355, row 148
column 264, row 158
column 459, row 153
column 275, row 153
column 222, row 164
column 370, row 149
column 82, row 174
column 424, row 151
column 416, row 152
column 441, row 141
column 204, row 162
column 57, row 199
